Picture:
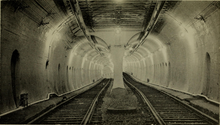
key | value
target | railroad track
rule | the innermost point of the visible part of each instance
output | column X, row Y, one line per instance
column 140, row 116
column 167, row 109
column 78, row 110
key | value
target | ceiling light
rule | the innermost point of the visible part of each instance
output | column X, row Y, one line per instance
column 118, row 30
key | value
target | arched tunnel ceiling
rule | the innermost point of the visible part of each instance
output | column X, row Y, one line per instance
column 129, row 15
column 110, row 13
column 112, row 16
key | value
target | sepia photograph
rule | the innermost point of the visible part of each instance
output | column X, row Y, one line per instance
column 110, row 62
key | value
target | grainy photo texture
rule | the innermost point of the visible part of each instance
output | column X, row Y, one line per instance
column 110, row 62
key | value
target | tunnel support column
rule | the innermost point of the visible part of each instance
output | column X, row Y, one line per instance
column 120, row 100
column 117, row 53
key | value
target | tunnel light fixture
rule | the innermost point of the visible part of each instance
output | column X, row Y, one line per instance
column 118, row 30
column 130, row 49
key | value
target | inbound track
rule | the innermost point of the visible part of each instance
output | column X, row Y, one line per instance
column 78, row 110
column 167, row 109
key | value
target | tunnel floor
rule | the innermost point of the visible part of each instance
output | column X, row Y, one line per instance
column 136, row 116
column 132, row 114
column 197, row 102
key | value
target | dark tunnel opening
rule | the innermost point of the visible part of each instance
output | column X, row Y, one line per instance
column 207, row 74
column 14, row 76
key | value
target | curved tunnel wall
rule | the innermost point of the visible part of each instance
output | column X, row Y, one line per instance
column 46, row 62
column 187, row 58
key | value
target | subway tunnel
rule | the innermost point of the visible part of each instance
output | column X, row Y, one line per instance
column 55, row 47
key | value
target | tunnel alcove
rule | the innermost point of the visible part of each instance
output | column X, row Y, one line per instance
column 67, row 77
column 15, row 76
column 207, row 71
column 58, row 79
column 47, row 63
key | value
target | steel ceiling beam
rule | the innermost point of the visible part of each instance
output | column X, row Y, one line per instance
column 147, row 29
column 75, row 9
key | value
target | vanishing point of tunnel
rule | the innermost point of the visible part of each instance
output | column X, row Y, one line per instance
column 57, row 47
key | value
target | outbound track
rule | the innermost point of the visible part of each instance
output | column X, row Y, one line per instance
column 167, row 109
column 77, row 110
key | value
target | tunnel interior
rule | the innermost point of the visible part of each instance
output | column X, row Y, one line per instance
column 60, row 46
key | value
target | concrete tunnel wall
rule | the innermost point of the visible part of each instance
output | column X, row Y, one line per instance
column 43, row 62
column 185, row 54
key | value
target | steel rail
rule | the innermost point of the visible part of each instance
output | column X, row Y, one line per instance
column 58, row 105
column 185, row 104
column 91, row 109
column 191, row 107
column 152, row 109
